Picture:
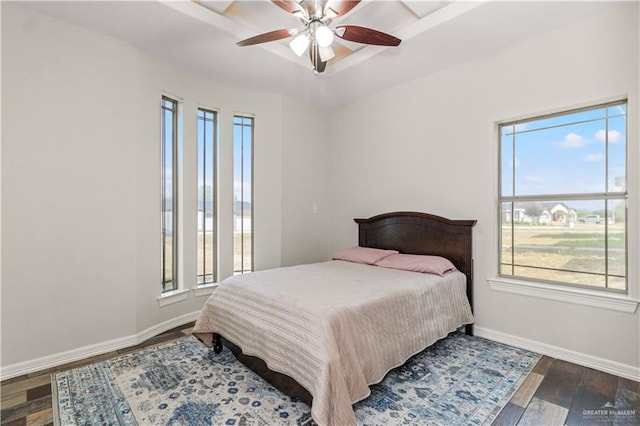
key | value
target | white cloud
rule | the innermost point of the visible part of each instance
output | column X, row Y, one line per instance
column 533, row 179
column 594, row 158
column 614, row 136
column 573, row 140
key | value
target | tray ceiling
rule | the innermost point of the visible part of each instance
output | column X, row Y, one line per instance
column 200, row 36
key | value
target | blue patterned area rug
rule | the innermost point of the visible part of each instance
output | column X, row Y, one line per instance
column 460, row 380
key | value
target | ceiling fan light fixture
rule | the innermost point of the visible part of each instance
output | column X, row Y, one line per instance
column 324, row 36
column 299, row 44
column 326, row 53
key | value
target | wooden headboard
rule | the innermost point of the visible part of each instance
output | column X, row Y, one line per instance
column 422, row 233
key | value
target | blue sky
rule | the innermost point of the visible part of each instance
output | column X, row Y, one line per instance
column 565, row 154
column 242, row 155
column 206, row 164
column 242, row 144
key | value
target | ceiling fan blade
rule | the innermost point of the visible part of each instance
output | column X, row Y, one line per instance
column 314, row 53
column 263, row 38
column 289, row 6
column 366, row 35
column 340, row 7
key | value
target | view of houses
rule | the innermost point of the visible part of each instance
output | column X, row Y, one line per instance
column 541, row 213
column 558, row 213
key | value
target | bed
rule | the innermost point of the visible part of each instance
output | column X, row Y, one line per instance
column 289, row 325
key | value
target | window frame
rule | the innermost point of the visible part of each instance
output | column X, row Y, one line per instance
column 201, row 156
column 510, row 280
column 252, row 141
column 171, row 285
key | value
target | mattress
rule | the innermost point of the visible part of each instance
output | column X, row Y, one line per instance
column 335, row 327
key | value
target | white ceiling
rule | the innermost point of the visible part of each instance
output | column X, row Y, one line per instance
column 201, row 36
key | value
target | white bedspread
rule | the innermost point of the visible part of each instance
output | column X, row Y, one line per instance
column 335, row 327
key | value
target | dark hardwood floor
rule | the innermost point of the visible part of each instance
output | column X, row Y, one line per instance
column 26, row 400
column 555, row 393
column 561, row 393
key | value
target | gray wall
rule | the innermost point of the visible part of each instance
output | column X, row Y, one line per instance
column 81, row 195
column 431, row 145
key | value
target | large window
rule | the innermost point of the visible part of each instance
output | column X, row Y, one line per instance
column 207, row 127
column 562, row 198
column 169, row 154
column 242, row 194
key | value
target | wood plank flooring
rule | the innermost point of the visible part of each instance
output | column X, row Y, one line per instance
column 555, row 393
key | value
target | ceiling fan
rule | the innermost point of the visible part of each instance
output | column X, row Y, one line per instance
column 316, row 35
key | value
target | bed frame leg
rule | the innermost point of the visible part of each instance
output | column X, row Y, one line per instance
column 468, row 329
column 217, row 343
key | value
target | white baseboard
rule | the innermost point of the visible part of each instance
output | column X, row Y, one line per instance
column 49, row 361
column 26, row 367
column 608, row 366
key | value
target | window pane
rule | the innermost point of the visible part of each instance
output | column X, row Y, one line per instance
column 561, row 160
column 206, row 254
column 506, row 236
column 243, row 194
column 616, row 241
column 168, row 218
column 615, row 138
column 168, row 104
column 565, row 219
column 167, row 283
column 561, row 120
column 616, row 110
column 507, row 160
column 565, row 241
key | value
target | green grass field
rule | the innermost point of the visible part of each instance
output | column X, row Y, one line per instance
column 579, row 252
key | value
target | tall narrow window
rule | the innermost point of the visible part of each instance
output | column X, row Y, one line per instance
column 243, row 194
column 207, row 136
column 169, row 148
column 562, row 198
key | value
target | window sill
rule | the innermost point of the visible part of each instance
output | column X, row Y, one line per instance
column 172, row 297
column 615, row 302
column 205, row 289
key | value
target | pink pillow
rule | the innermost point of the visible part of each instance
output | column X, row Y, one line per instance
column 366, row 255
column 418, row 263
